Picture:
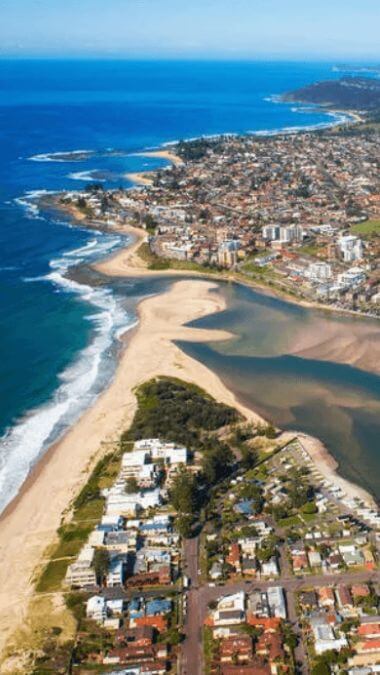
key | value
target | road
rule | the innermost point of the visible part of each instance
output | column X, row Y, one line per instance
column 199, row 597
column 191, row 652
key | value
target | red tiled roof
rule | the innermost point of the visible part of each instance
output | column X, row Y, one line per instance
column 366, row 629
column 158, row 622
column 272, row 623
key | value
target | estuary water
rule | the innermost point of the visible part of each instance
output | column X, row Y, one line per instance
column 337, row 403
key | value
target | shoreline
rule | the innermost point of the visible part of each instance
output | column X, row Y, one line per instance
column 142, row 177
column 27, row 527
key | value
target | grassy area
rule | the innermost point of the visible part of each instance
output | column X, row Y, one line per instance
column 292, row 521
column 311, row 249
column 88, row 509
column 252, row 268
column 52, row 576
column 209, row 648
column 370, row 228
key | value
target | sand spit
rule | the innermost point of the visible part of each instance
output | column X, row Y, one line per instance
column 28, row 526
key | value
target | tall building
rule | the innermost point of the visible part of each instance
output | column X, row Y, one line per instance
column 351, row 248
column 271, row 232
column 320, row 271
column 290, row 233
column 228, row 253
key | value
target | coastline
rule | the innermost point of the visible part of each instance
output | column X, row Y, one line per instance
column 27, row 527
column 27, row 524
column 142, row 177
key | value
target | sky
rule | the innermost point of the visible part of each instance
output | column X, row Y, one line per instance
column 319, row 29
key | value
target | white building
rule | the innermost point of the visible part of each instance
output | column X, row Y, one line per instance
column 81, row 572
column 171, row 453
column 319, row 271
column 96, row 608
column 276, row 601
column 230, row 610
column 351, row 277
column 271, row 232
column 325, row 639
column 115, row 574
column 118, row 502
column 290, row 233
column 351, row 248
column 270, row 568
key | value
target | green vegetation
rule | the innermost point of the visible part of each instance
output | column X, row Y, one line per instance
column 253, row 269
column 352, row 93
column 195, row 150
column 210, row 647
column 131, row 486
column 312, row 250
column 87, row 510
column 174, row 411
column 52, row 576
column 370, row 228
column 182, row 413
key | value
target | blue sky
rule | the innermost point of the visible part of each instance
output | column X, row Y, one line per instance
column 181, row 28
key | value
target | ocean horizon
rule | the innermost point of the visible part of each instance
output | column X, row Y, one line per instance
column 60, row 128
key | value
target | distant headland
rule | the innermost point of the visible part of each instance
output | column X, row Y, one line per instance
column 349, row 93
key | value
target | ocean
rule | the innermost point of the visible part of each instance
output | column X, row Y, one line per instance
column 58, row 337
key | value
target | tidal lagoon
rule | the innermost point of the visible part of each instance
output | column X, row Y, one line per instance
column 336, row 402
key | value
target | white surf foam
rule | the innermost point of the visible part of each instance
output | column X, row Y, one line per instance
column 63, row 156
column 80, row 383
column 28, row 202
column 86, row 176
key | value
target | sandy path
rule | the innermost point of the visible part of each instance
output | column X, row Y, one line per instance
column 29, row 525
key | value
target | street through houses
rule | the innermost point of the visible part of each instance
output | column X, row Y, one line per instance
column 198, row 597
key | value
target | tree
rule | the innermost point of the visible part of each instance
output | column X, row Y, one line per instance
column 149, row 222
column 81, row 203
column 320, row 668
column 131, row 486
column 184, row 524
column 267, row 549
column 248, row 457
column 217, row 463
column 100, row 563
column 290, row 638
column 184, row 492
column 270, row 431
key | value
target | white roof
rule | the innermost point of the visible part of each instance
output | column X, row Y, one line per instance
column 235, row 601
column 95, row 603
column 86, row 555
column 96, row 538
column 111, row 520
column 135, row 458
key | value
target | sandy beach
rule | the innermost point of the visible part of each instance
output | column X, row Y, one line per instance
column 162, row 154
column 29, row 524
column 145, row 178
